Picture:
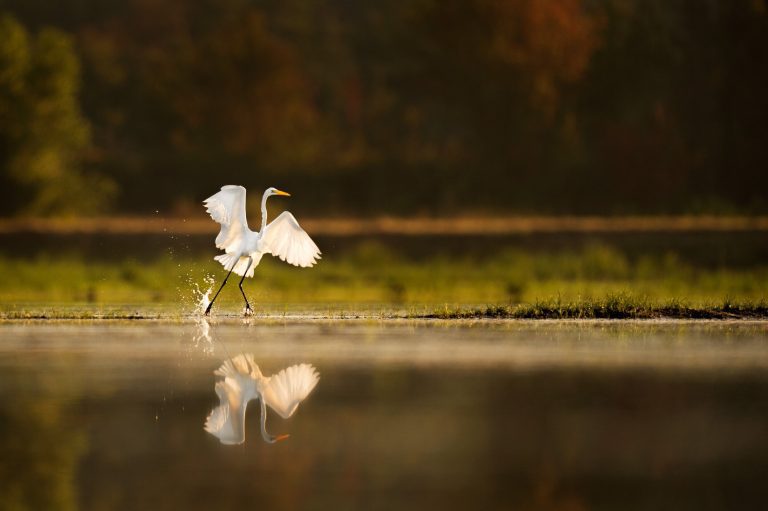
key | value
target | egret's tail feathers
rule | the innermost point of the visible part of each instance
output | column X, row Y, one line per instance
column 227, row 260
column 242, row 268
column 237, row 264
column 239, row 365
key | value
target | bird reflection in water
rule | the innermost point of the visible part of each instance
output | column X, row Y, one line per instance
column 242, row 381
column 202, row 338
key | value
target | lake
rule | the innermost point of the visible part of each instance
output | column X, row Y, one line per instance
column 406, row 415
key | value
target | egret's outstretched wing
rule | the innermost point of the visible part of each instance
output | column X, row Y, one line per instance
column 284, row 391
column 228, row 208
column 227, row 421
column 284, row 238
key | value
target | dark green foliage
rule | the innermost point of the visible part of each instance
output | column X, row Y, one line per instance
column 43, row 135
column 563, row 106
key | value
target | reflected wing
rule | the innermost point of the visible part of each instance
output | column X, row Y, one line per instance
column 284, row 238
column 227, row 421
column 228, row 208
column 284, row 391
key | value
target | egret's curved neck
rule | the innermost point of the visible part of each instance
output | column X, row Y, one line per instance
column 266, row 436
column 264, row 211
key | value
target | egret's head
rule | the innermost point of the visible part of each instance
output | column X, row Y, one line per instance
column 274, row 191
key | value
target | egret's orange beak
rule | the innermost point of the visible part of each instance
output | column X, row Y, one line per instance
column 281, row 437
column 279, row 192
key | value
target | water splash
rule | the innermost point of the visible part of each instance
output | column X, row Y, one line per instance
column 202, row 298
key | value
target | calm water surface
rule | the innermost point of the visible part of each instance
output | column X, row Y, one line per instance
column 405, row 416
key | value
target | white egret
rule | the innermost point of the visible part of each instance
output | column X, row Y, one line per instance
column 283, row 237
column 243, row 382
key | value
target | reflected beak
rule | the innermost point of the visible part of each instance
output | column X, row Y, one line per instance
column 281, row 437
column 280, row 192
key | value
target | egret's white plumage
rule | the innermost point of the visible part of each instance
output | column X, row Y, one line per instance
column 242, row 382
column 244, row 248
column 228, row 208
column 285, row 390
column 283, row 238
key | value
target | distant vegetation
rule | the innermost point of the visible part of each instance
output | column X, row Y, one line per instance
column 43, row 135
column 370, row 275
column 428, row 107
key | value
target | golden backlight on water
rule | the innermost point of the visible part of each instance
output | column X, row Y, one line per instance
column 408, row 416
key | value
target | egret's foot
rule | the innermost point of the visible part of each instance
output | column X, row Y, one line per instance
column 248, row 311
column 208, row 310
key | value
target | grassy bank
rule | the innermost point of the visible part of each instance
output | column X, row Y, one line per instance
column 621, row 307
column 610, row 307
column 373, row 274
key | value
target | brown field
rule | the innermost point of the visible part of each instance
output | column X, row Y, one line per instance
column 403, row 226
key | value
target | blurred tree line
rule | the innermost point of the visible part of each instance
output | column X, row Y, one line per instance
column 424, row 106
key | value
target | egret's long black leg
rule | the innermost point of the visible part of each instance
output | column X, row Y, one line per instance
column 248, row 309
column 208, row 310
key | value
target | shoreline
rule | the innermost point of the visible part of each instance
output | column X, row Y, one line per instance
column 22, row 317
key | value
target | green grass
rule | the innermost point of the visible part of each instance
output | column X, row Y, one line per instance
column 609, row 307
column 371, row 277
